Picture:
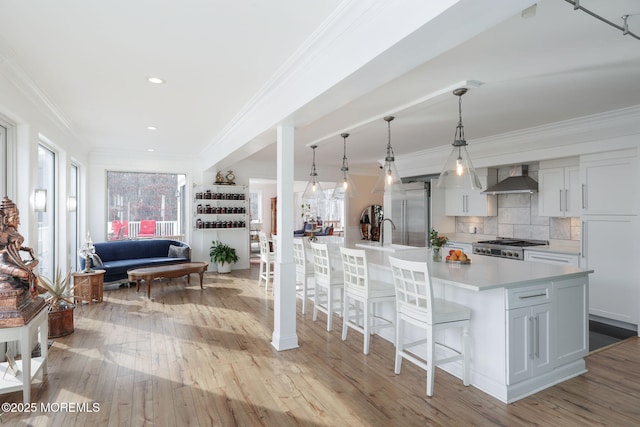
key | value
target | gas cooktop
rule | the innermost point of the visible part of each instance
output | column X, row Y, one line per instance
column 505, row 247
column 513, row 242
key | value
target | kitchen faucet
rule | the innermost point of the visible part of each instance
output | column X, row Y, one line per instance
column 382, row 229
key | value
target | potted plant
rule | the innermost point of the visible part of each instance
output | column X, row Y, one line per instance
column 59, row 296
column 224, row 255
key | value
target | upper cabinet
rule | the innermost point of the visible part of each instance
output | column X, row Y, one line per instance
column 473, row 203
column 609, row 183
column 559, row 190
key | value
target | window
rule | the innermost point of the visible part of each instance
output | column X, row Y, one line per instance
column 255, row 204
column 327, row 210
column 4, row 170
column 72, row 212
column 46, row 218
column 144, row 205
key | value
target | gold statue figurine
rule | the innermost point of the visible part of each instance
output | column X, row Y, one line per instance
column 14, row 270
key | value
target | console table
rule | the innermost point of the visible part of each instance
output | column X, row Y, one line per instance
column 29, row 366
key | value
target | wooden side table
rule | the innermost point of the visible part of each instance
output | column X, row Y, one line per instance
column 88, row 286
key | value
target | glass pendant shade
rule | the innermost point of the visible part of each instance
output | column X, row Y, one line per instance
column 458, row 171
column 313, row 190
column 389, row 179
column 344, row 187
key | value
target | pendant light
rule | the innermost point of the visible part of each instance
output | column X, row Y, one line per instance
column 389, row 180
column 313, row 190
column 458, row 171
column 345, row 187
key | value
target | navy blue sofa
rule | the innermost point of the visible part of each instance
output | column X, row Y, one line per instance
column 118, row 256
column 305, row 227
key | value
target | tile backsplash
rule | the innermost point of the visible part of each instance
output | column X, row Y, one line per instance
column 518, row 217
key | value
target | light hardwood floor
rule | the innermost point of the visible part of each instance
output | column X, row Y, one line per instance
column 204, row 358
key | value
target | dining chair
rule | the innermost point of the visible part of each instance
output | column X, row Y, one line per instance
column 416, row 305
column 365, row 294
column 267, row 258
column 304, row 272
column 329, row 283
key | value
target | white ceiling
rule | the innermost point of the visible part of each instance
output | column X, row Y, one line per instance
column 90, row 60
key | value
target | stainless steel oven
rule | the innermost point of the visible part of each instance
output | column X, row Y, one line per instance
column 505, row 247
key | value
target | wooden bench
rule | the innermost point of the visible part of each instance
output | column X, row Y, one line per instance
column 167, row 271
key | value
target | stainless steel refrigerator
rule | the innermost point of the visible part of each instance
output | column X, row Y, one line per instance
column 420, row 210
column 411, row 215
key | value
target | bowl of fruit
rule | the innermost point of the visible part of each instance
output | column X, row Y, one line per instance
column 456, row 256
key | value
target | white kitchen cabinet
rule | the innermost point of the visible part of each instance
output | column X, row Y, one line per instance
column 529, row 342
column 529, row 338
column 609, row 224
column 559, row 192
column 547, row 327
column 571, row 317
column 609, row 183
column 552, row 258
column 609, row 250
column 473, row 203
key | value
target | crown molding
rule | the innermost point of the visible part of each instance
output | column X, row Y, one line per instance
column 616, row 129
column 25, row 84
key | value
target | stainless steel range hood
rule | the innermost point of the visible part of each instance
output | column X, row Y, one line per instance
column 518, row 182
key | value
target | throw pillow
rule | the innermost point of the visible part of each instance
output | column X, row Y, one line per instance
column 178, row 251
column 95, row 260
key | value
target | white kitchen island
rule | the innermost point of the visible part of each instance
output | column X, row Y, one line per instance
column 529, row 323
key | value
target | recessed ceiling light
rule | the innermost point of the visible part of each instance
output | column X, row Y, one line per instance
column 151, row 150
column 152, row 128
column 155, row 80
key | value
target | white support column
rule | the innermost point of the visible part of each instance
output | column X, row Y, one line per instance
column 284, row 284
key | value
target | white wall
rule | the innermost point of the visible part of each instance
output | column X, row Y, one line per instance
column 31, row 121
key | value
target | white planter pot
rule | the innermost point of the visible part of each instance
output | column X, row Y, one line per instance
column 224, row 268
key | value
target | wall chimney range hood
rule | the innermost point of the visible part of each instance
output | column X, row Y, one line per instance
column 518, row 182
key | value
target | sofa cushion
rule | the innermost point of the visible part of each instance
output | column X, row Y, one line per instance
column 179, row 251
column 96, row 261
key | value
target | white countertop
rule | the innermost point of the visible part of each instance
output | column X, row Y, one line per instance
column 483, row 273
column 490, row 272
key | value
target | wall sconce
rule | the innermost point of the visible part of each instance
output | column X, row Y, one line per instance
column 72, row 204
column 40, row 200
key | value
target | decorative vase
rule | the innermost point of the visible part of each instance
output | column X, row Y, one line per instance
column 61, row 322
column 224, row 268
column 437, row 255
